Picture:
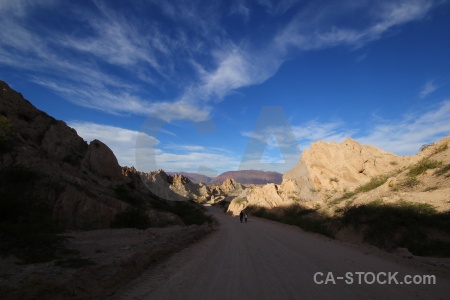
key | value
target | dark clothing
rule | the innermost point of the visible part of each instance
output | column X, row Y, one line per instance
column 241, row 216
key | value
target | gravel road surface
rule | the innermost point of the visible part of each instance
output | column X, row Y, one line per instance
column 262, row 259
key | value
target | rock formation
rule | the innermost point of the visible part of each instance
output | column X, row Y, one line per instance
column 194, row 177
column 329, row 166
column 249, row 177
column 80, row 182
column 175, row 187
column 328, row 170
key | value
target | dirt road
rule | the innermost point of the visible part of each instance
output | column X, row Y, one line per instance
column 267, row 260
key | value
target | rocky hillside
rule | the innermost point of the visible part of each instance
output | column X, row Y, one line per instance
column 249, row 177
column 83, row 184
column 175, row 187
column 194, row 177
column 329, row 173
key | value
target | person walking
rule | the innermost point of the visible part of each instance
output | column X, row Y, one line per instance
column 241, row 216
column 245, row 216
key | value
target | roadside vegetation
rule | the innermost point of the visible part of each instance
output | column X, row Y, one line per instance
column 443, row 171
column 298, row 215
column 411, row 180
column 26, row 227
column 223, row 204
column 372, row 184
column 189, row 212
column 5, row 131
column 415, row 226
column 401, row 224
column 28, row 231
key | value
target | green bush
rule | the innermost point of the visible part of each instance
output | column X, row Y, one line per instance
column 443, row 170
column 26, row 227
column 424, row 165
column 372, row 184
column 441, row 148
column 189, row 212
column 295, row 214
column 132, row 217
column 410, row 181
column 401, row 224
column 5, row 125
column 124, row 193
column 223, row 204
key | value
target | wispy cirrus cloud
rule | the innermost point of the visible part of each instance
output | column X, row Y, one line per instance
column 402, row 136
column 110, row 62
column 428, row 88
column 313, row 29
column 406, row 135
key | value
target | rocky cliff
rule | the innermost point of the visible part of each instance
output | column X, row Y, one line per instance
column 194, row 177
column 249, row 177
column 330, row 171
column 83, row 184
column 175, row 187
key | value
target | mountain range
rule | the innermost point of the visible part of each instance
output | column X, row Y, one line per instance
column 243, row 177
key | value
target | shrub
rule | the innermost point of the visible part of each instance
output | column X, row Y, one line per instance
column 372, row 184
column 26, row 227
column 401, row 224
column 72, row 159
column 5, row 125
column 334, row 179
column 424, row 165
column 239, row 200
column 189, row 212
column 124, row 193
column 223, row 204
column 132, row 217
column 442, row 170
column 295, row 214
column 410, row 181
column 441, row 148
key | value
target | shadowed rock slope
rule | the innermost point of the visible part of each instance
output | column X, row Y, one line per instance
column 82, row 183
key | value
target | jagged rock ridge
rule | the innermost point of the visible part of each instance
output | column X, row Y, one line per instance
column 78, row 181
column 328, row 170
column 249, row 177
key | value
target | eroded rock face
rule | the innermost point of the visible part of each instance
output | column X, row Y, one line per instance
column 176, row 187
column 326, row 168
column 345, row 165
column 102, row 161
column 78, row 181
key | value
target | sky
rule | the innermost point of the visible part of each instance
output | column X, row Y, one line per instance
column 215, row 86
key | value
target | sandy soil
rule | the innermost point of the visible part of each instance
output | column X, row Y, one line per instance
column 262, row 259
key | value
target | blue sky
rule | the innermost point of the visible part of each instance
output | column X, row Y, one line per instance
column 212, row 86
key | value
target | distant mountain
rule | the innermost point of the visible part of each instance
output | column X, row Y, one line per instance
column 249, row 177
column 194, row 177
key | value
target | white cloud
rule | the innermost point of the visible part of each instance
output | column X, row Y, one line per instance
column 428, row 88
column 313, row 29
column 121, row 141
column 147, row 54
column 403, row 136
column 126, row 144
column 407, row 135
column 304, row 134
